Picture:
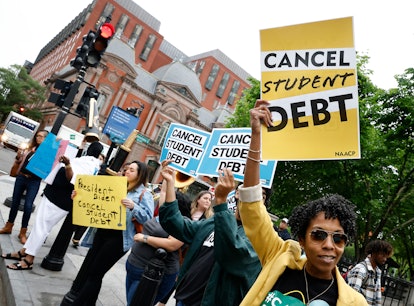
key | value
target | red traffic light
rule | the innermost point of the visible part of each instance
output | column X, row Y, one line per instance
column 107, row 30
column 21, row 109
column 98, row 47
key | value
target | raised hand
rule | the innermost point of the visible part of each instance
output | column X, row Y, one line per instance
column 225, row 184
column 260, row 113
column 167, row 172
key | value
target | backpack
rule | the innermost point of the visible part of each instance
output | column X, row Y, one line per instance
column 365, row 280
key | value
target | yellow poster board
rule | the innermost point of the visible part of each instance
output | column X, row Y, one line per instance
column 309, row 76
column 98, row 201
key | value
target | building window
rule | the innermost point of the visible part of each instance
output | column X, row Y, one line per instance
column 135, row 36
column 149, row 44
column 223, row 85
column 120, row 27
column 101, row 101
column 212, row 77
column 162, row 134
column 200, row 68
column 108, row 10
column 153, row 166
column 233, row 92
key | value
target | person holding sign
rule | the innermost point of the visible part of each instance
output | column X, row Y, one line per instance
column 56, row 202
column 110, row 245
column 219, row 251
column 25, row 181
column 153, row 236
column 322, row 228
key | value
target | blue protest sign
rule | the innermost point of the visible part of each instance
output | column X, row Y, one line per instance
column 119, row 125
column 185, row 146
column 42, row 161
column 228, row 148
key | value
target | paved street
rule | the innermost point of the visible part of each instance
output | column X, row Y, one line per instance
column 6, row 159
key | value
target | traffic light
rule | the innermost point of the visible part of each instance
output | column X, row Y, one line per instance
column 82, row 52
column 83, row 106
column 21, row 109
column 98, row 47
column 64, row 87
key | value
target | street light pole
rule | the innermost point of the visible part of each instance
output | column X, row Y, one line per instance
column 54, row 260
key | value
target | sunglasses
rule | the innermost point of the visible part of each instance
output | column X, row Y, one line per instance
column 319, row 236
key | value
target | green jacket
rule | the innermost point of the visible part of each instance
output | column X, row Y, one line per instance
column 236, row 263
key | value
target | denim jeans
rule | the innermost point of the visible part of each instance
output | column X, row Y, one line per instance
column 133, row 277
column 31, row 185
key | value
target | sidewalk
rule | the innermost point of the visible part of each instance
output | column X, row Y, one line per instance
column 41, row 287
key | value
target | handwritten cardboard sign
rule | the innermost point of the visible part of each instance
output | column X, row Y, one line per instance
column 98, row 201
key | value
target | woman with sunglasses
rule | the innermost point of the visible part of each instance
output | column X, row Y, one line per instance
column 322, row 228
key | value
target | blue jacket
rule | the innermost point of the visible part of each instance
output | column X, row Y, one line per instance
column 143, row 211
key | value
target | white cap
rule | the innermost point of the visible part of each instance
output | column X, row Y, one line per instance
column 286, row 220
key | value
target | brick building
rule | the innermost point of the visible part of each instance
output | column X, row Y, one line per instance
column 141, row 69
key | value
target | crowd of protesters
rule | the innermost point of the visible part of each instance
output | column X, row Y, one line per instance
column 215, row 256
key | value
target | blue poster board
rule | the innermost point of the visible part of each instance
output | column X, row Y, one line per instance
column 119, row 125
column 185, row 146
column 41, row 162
column 228, row 148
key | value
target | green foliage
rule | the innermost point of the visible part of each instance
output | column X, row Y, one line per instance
column 241, row 115
column 18, row 88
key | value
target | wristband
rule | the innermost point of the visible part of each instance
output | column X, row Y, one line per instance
column 145, row 238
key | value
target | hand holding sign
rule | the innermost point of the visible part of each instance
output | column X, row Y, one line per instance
column 97, row 201
column 167, row 172
column 225, row 184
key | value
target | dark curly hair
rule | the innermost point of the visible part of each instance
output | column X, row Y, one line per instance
column 379, row 246
column 334, row 206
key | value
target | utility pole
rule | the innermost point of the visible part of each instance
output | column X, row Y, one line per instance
column 88, row 55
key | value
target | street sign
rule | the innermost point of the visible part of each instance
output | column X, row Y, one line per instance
column 142, row 139
column 119, row 125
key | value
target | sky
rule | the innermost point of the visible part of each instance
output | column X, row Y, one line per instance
column 383, row 30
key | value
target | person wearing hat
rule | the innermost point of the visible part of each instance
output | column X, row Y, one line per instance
column 282, row 229
column 56, row 203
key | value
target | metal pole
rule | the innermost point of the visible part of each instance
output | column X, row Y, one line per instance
column 54, row 260
column 151, row 278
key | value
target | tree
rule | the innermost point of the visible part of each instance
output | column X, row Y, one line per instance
column 240, row 117
column 17, row 88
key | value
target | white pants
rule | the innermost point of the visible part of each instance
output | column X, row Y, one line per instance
column 48, row 215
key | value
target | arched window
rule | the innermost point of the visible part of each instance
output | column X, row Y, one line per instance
column 162, row 134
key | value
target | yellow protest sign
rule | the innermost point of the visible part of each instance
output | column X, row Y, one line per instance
column 98, row 201
column 309, row 76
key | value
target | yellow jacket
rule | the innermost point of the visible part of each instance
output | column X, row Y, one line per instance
column 275, row 254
